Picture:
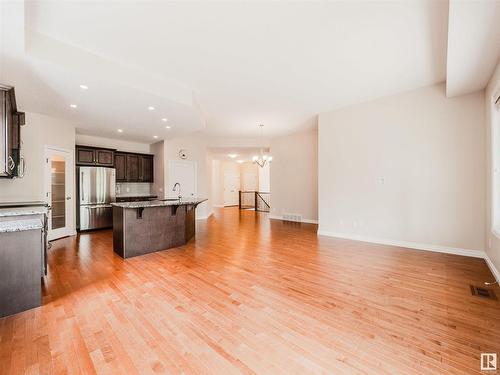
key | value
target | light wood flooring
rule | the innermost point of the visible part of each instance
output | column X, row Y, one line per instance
column 253, row 295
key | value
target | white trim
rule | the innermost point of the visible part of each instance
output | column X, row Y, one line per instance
column 406, row 244
column 205, row 217
column 496, row 232
column 307, row 221
column 492, row 268
column 218, row 205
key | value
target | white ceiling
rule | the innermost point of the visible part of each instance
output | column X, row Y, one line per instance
column 242, row 153
column 217, row 67
column 473, row 45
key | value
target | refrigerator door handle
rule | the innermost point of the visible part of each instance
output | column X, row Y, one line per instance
column 81, row 188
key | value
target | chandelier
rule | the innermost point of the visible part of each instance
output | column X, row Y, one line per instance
column 262, row 159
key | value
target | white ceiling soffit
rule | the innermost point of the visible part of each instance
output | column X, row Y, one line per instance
column 473, row 45
column 276, row 63
column 47, row 74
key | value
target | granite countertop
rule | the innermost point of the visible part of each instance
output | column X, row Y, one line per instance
column 136, row 196
column 22, row 211
column 20, row 225
column 160, row 203
column 23, row 204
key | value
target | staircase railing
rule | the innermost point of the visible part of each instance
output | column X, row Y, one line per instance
column 257, row 200
column 262, row 201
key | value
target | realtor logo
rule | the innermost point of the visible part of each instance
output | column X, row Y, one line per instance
column 488, row 361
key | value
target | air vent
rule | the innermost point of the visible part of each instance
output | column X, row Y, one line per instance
column 292, row 217
column 482, row 292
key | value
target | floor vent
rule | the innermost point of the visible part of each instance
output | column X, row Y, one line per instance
column 482, row 292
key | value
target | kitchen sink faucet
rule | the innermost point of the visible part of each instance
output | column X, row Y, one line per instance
column 175, row 185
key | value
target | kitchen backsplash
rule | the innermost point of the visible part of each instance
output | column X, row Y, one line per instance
column 133, row 189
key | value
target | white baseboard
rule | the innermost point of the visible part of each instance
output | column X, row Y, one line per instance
column 492, row 267
column 204, row 217
column 218, row 205
column 308, row 221
column 410, row 245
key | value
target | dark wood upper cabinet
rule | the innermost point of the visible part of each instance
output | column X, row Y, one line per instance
column 99, row 157
column 85, row 155
column 105, row 157
column 11, row 164
column 132, row 167
column 146, row 168
column 121, row 167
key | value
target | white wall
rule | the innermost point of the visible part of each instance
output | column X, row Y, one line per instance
column 492, row 116
column 196, row 147
column 159, row 168
column 294, row 175
column 119, row 144
column 407, row 168
column 265, row 178
column 39, row 131
column 249, row 176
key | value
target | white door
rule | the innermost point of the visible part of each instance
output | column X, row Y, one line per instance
column 59, row 191
column 231, row 188
column 184, row 173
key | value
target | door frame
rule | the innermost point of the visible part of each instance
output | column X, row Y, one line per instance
column 168, row 189
column 69, row 230
column 238, row 175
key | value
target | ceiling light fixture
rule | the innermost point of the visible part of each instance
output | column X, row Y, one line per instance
column 151, row 108
column 73, row 105
column 155, row 136
column 164, row 119
column 120, row 130
column 239, row 161
column 84, row 87
column 262, row 159
column 167, row 127
column 232, row 156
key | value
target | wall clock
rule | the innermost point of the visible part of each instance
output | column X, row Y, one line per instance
column 183, row 154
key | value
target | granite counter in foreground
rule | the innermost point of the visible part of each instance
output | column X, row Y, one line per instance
column 144, row 227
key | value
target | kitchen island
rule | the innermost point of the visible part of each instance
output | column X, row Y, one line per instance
column 144, row 227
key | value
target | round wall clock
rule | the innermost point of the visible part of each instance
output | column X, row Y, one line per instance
column 183, row 154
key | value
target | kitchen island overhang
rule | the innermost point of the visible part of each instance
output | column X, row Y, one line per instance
column 145, row 227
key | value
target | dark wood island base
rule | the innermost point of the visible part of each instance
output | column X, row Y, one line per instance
column 144, row 227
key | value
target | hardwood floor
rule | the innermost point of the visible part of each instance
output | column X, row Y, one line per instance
column 250, row 295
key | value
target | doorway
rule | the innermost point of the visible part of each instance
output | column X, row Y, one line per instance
column 231, row 188
column 59, row 192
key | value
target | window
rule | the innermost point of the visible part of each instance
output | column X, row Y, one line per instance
column 495, row 164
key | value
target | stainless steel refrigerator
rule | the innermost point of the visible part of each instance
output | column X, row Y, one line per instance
column 96, row 192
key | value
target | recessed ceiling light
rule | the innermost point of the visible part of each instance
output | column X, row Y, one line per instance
column 164, row 119
column 239, row 161
column 151, row 108
column 232, row 156
column 73, row 105
column 167, row 127
column 84, row 87
column 155, row 136
column 120, row 130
